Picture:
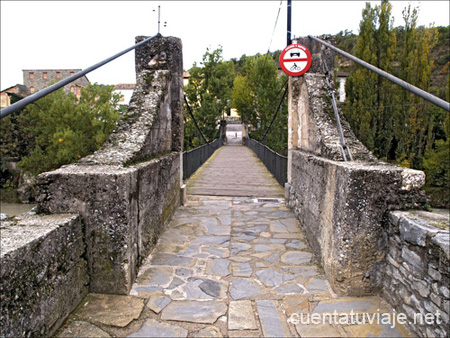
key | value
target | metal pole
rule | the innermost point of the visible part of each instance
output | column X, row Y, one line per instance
column 36, row 96
column 159, row 16
column 415, row 90
column 289, row 15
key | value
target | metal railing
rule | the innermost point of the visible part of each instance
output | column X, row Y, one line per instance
column 274, row 162
column 193, row 159
column 50, row 89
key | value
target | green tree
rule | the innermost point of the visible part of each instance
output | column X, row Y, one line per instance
column 416, row 66
column 361, row 86
column 209, row 96
column 256, row 96
column 371, row 97
column 14, row 142
column 65, row 129
column 436, row 164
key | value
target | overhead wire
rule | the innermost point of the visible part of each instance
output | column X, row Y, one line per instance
column 270, row 43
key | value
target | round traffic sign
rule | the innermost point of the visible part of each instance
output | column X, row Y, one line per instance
column 295, row 60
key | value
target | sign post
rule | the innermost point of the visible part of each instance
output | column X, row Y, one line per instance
column 295, row 60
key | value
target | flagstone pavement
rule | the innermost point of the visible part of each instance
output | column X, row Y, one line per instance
column 231, row 267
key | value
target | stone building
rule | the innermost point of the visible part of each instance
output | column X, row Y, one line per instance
column 37, row 79
column 19, row 91
column 125, row 90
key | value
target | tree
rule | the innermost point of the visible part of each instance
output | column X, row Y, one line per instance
column 209, row 96
column 361, row 86
column 64, row 129
column 436, row 164
column 370, row 96
column 416, row 66
column 256, row 96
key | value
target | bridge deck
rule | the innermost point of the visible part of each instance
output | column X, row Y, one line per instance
column 234, row 171
column 229, row 267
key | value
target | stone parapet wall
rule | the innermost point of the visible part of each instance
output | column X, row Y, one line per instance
column 124, row 210
column 43, row 273
column 341, row 207
column 414, row 276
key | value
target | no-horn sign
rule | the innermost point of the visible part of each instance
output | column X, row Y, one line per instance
column 295, row 60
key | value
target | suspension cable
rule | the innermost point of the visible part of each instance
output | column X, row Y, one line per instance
column 36, row 96
column 336, row 112
column 193, row 118
column 275, row 115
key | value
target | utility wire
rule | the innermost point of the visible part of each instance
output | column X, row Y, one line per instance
column 275, row 26
column 270, row 44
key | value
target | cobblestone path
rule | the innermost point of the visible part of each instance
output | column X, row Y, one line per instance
column 230, row 267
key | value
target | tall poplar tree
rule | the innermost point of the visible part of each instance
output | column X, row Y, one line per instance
column 416, row 67
column 361, row 86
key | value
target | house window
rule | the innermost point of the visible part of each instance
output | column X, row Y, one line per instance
column 45, row 75
column 32, row 89
column 31, row 75
column 58, row 75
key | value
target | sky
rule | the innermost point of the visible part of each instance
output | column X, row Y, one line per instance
column 78, row 34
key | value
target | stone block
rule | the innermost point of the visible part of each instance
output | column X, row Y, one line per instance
column 342, row 216
column 443, row 241
column 115, row 310
column 241, row 316
column 433, row 273
column 415, row 232
column 413, row 258
column 273, row 323
column 43, row 274
column 422, row 287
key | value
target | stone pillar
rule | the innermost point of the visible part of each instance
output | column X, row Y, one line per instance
column 340, row 205
column 128, row 190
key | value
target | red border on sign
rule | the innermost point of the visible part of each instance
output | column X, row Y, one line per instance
column 308, row 60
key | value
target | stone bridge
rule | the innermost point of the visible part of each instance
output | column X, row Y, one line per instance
column 119, row 249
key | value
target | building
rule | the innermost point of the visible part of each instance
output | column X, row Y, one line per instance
column 342, row 78
column 18, row 91
column 37, row 79
column 185, row 78
column 125, row 90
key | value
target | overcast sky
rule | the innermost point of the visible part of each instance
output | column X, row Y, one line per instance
column 78, row 34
